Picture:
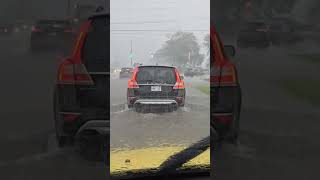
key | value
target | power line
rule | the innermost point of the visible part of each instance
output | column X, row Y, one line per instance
column 144, row 35
column 156, row 32
column 145, row 22
column 159, row 30
column 195, row 19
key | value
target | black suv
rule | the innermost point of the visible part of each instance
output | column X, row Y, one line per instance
column 51, row 34
column 284, row 32
column 81, row 91
column 156, row 86
column 253, row 34
column 125, row 73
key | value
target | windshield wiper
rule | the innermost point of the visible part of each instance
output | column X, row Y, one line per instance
column 170, row 166
column 177, row 160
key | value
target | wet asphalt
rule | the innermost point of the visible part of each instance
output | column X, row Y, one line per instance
column 279, row 132
column 187, row 125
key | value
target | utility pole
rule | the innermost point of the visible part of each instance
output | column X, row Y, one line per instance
column 22, row 9
column 68, row 8
column 131, row 51
column 189, row 59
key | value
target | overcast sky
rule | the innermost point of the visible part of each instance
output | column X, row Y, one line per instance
column 169, row 15
column 25, row 9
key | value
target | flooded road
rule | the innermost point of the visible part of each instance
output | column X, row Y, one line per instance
column 187, row 125
column 279, row 123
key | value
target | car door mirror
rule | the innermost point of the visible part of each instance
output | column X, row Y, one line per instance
column 230, row 50
column 181, row 77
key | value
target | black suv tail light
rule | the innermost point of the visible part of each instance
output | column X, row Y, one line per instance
column 74, row 73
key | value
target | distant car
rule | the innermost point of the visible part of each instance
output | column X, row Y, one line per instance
column 193, row 72
column 253, row 34
column 81, row 91
column 21, row 26
column 199, row 71
column 125, row 72
column 6, row 29
column 116, row 70
column 206, row 71
column 282, row 32
column 156, row 86
column 51, row 34
column 189, row 72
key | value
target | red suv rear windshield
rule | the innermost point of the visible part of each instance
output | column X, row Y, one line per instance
column 156, row 74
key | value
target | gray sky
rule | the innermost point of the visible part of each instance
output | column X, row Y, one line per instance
column 169, row 15
column 16, row 9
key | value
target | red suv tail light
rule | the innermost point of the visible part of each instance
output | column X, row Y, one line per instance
column 180, row 83
column 132, row 83
column 226, row 75
column 74, row 73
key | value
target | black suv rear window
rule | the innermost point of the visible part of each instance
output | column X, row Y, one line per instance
column 96, row 48
column 154, row 74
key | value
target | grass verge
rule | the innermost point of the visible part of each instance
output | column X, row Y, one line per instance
column 204, row 88
column 306, row 90
column 313, row 58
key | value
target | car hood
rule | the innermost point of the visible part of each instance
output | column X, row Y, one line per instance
column 150, row 158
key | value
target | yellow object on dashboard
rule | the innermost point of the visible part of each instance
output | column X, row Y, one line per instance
column 150, row 158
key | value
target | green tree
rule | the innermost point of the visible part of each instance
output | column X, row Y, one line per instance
column 178, row 48
column 206, row 43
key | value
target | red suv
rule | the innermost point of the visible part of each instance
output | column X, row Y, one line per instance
column 225, row 90
column 81, row 92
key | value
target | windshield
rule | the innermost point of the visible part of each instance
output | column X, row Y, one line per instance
column 161, row 111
